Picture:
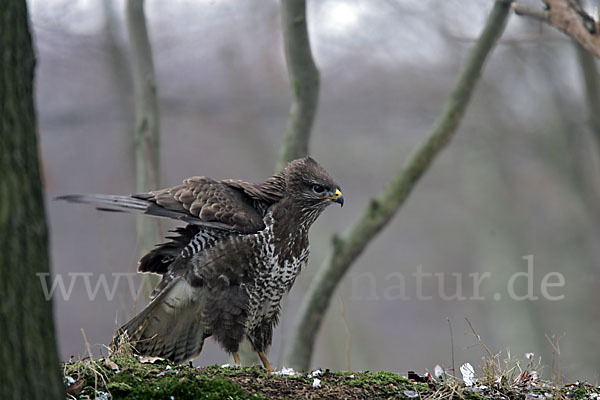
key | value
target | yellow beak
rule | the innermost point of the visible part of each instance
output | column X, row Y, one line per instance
column 337, row 197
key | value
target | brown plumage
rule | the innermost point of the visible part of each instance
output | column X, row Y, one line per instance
column 225, row 272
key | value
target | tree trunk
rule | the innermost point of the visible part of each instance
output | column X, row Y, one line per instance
column 29, row 366
column 147, row 133
column 304, row 81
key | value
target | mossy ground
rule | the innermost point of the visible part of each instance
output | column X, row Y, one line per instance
column 126, row 377
column 162, row 380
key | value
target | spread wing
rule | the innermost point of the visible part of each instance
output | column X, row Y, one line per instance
column 198, row 200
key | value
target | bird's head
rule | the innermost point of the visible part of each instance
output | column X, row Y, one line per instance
column 311, row 186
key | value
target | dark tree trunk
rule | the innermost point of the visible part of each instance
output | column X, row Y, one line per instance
column 29, row 366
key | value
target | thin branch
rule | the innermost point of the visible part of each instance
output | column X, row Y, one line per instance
column 451, row 344
column 568, row 17
column 146, row 131
column 589, row 71
column 346, row 249
column 591, row 86
column 481, row 343
column 304, row 81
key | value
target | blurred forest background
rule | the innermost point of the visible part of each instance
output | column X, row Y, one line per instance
column 520, row 178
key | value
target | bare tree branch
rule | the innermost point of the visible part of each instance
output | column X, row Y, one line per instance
column 591, row 81
column 147, row 130
column 536, row 13
column 304, row 81
column 592, row 89
column 568, row 17
column 382, row 208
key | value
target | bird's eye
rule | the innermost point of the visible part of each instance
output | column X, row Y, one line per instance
column 318, row 188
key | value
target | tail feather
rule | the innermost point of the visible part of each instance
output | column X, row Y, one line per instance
column 171, row 325
column 140, row 203
column 108, row 202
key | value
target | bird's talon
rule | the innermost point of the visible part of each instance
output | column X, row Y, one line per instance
column 236, row 359
column 265, row 361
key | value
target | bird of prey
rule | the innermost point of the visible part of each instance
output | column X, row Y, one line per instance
column 225, row 272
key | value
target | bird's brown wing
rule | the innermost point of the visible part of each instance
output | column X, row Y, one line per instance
column 210, row 201
column 198, row 200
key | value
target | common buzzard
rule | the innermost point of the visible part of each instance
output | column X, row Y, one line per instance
column 225, row 272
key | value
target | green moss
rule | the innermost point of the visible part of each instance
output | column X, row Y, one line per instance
column 378, row 378
column 471, row 395
column 119, row 387
column 187, row 387
column 386, row 381
column 146, row 381
column 578, row 391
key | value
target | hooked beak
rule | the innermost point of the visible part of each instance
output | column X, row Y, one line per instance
column 336, row 197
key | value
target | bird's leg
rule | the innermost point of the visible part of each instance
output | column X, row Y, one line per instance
column 236, row 358
column 265, row 361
